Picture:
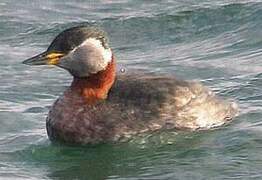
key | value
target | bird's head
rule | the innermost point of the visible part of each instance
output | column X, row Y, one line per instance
column 81, row 50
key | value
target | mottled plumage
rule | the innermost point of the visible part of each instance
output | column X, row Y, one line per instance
column 102, row 107
column 136, row 105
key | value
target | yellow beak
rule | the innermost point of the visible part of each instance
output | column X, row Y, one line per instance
column 44, row 59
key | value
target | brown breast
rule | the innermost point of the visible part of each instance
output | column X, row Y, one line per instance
column 132, row 106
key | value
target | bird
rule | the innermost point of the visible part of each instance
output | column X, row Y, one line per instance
column 104, row 106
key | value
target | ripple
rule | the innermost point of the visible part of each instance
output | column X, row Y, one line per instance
column 212, row 41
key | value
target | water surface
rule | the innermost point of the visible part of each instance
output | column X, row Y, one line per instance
column 216, row 42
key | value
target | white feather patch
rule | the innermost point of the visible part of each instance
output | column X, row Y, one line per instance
column 106, row 53
column 88, row 58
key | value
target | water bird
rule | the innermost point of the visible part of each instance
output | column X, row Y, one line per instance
column 103, row 106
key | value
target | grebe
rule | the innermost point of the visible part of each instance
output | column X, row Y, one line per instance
column 102, row 107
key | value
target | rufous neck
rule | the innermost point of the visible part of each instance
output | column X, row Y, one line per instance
column 96, row 86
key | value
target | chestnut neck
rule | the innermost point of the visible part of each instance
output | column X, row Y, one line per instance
column 96, row 86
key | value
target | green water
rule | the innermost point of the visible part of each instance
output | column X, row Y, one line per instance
column 216, row 42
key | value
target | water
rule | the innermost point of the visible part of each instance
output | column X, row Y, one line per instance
column 216, row 42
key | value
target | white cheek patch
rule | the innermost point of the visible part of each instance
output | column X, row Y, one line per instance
column 89, row 57
column 99, row 48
